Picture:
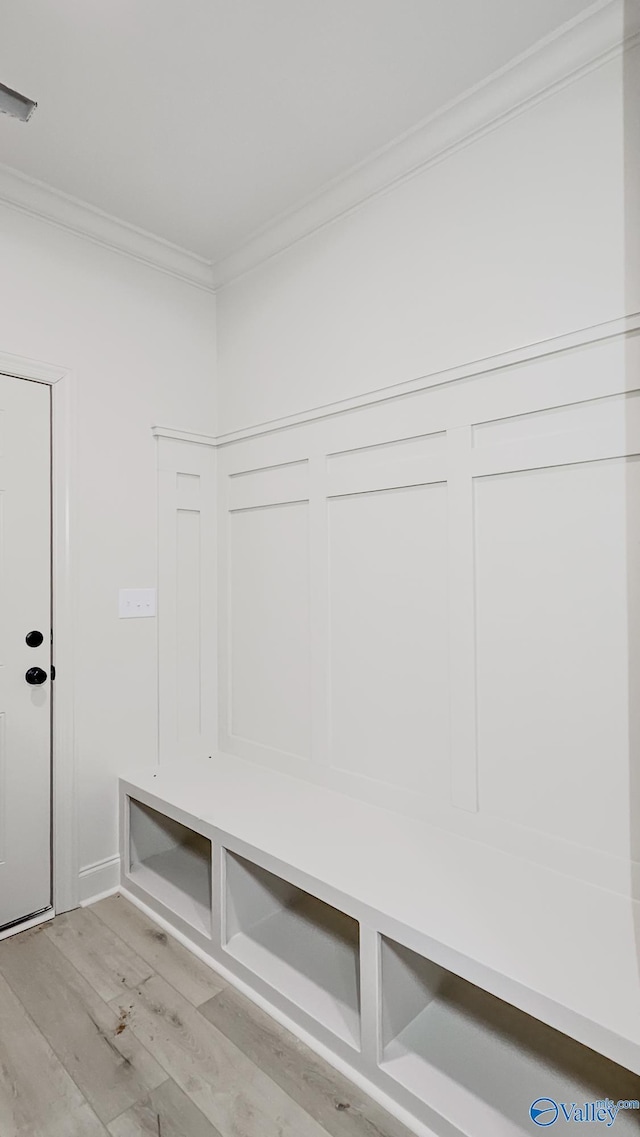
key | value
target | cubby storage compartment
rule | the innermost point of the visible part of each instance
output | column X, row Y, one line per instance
column 481, row 1062
column 172, row 863
column 301, row 946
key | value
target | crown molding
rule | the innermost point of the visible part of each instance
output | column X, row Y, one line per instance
column 573, row 50
column 18, row 191
column 580, row 45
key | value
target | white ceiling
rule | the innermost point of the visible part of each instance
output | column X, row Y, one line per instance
column 202, row 120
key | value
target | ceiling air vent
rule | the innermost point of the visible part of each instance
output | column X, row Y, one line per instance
column 19, row 106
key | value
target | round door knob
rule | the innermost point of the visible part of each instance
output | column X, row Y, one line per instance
column 35, row 676
column 34, row 639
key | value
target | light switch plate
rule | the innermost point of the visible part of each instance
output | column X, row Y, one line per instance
column 136, row 602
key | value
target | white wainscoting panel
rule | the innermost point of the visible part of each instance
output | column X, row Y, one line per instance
column 268, row 591
column 552, row 649
column 403, row 462
column 270, row 486
column 428, row 599
column 389, row 695
column 189, row 628
column 186, row 600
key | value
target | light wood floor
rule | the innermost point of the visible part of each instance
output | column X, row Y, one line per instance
column 109, row 1026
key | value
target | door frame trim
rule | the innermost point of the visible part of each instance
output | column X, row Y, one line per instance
column 64, row 848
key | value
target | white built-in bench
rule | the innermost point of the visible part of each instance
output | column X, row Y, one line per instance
column 409, row 955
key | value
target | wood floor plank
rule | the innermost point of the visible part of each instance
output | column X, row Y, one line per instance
column 178, row 1055
column 38, row 1098
column 237, row 1097
column 105, row 961
column 340, row 1107
column 108, row 1063
column 189, row 975
column 168, row 1112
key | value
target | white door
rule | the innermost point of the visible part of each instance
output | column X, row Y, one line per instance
column 25, row 670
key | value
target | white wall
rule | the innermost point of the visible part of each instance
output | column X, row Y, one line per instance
column 418, row 608
column 513, row 239
column 141, row 348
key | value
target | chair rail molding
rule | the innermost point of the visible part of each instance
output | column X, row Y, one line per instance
column 184, row 435
column 468, row 369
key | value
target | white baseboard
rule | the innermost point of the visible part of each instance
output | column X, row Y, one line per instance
column 98, row 880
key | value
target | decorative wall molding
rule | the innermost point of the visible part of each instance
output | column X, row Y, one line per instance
column 571, row 341
column 561, row 58
column 366, row 513
column 187, row 722
column 34, row 369
column 555, row 61
column 183, row 435
column 18, row 191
